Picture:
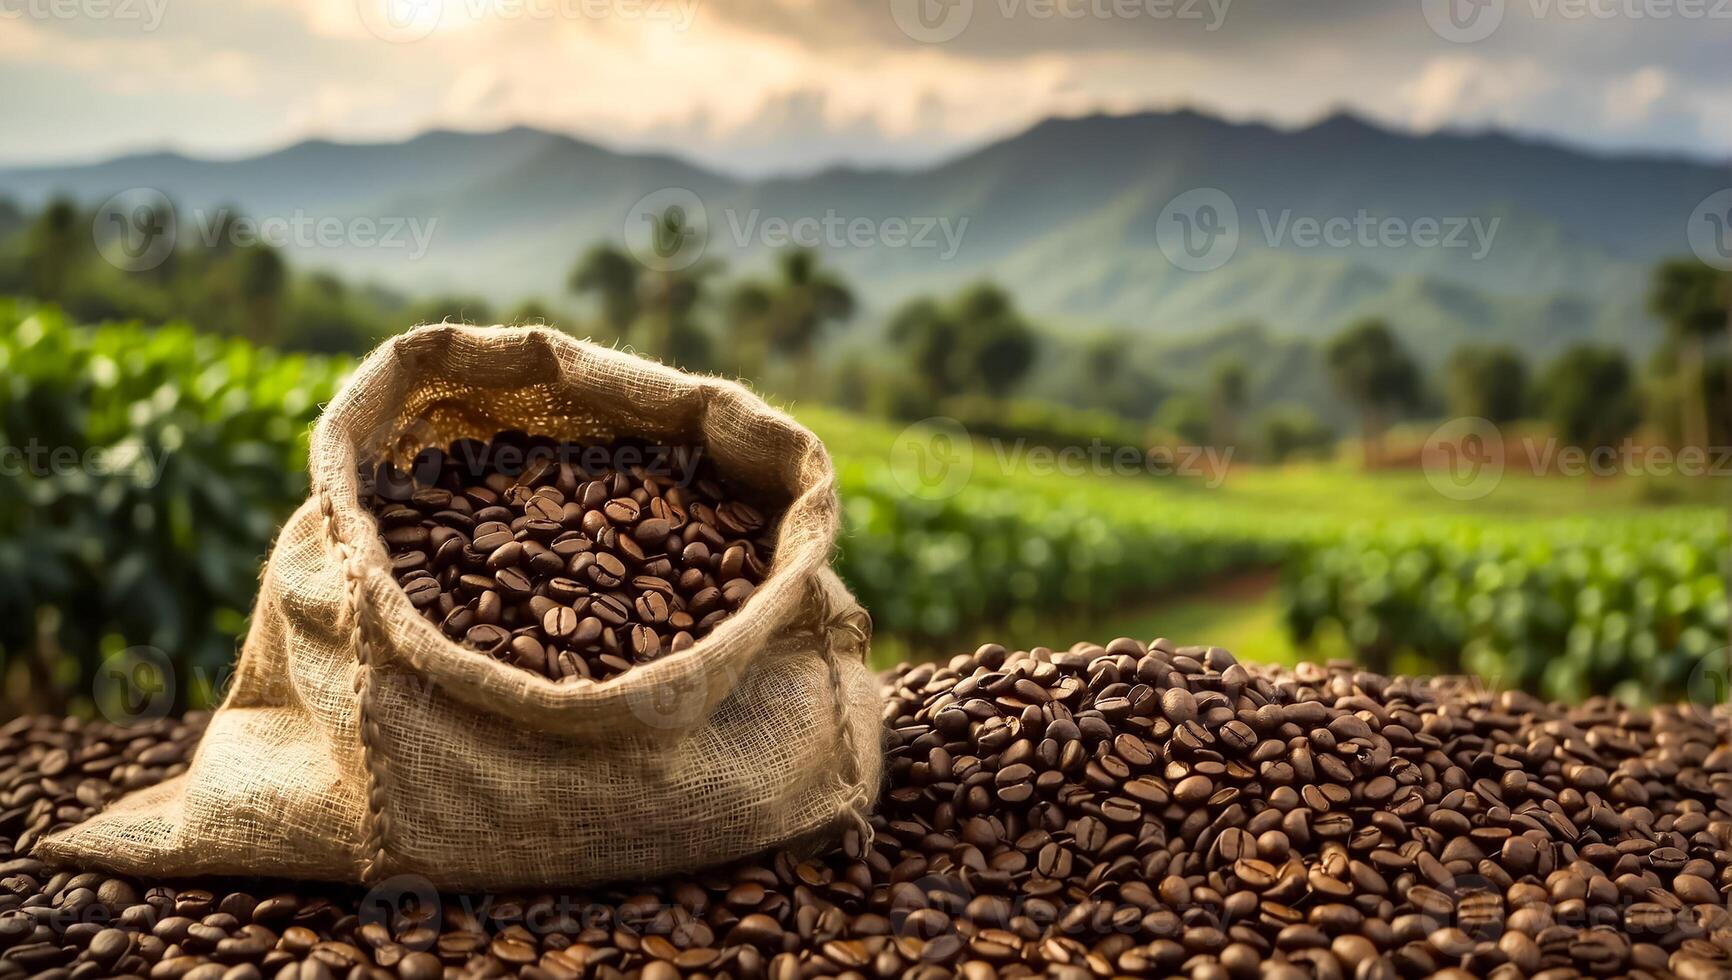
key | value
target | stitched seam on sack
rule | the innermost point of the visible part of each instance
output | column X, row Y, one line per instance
column 375, row 821
column 856, row 625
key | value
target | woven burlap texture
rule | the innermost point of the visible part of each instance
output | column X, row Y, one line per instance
column 356, row 742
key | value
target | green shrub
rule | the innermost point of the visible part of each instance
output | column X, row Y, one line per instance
column 145, row 472
column 1568, row 608
column 995, row 552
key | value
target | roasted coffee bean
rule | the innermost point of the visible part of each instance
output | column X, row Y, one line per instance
column 567, row 554
column 645, row 644
column 1018, row 834
column 560, row 623
column 586, row 632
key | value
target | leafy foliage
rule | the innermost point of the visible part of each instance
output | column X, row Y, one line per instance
column 1375, row 373
column 1572, row 608
column 1589, row 396
column 1488, row 382
column 160, row 544
column 145, row 473
column 975, row 342
column 1290, row 430
column 208, row 280
column 999, row 552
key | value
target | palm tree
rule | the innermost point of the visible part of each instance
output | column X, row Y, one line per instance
column 263, row 279
column 1001, row 345
column 1589, row 395
column 670, row 297
column 1488, row 381
column 806, row 299
column 53, row 247
column 1227, row 401
column 974, row 342
column 748, row 310
column 612, row 276
column 1690, row 298
column 1374, row 373
column 927, row 334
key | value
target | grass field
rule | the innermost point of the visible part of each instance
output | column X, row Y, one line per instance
column 1012, row 544
column 1240, row 605
column 1337, row 491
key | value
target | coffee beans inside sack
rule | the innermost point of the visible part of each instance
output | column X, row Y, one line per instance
column 530, row 625
column 570, row 560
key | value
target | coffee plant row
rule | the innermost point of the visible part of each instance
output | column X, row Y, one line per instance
column 930, row 568
column 1633, row 606
column 143, row 472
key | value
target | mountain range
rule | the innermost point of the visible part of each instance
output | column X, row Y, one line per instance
column 1452, row 235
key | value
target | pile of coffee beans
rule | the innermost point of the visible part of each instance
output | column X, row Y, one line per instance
column 1133, row 810
column 570, row 560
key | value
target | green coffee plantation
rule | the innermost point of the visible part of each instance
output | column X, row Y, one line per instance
column 165, row 552
column 146, row 472
column 1567, row 609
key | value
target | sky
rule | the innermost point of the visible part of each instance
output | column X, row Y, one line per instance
column 785, row 86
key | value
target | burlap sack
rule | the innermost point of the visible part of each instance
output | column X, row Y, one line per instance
column 357, row 742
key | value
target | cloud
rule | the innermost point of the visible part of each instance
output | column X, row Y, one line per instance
column 1457, row 88
column 767, row 85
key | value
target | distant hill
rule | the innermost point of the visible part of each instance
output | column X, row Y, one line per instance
column 1067, row 213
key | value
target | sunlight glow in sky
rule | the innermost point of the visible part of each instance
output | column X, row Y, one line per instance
column 777, row 85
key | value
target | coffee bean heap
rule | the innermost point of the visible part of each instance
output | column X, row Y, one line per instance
column 569, row 560
column 1122, row 811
